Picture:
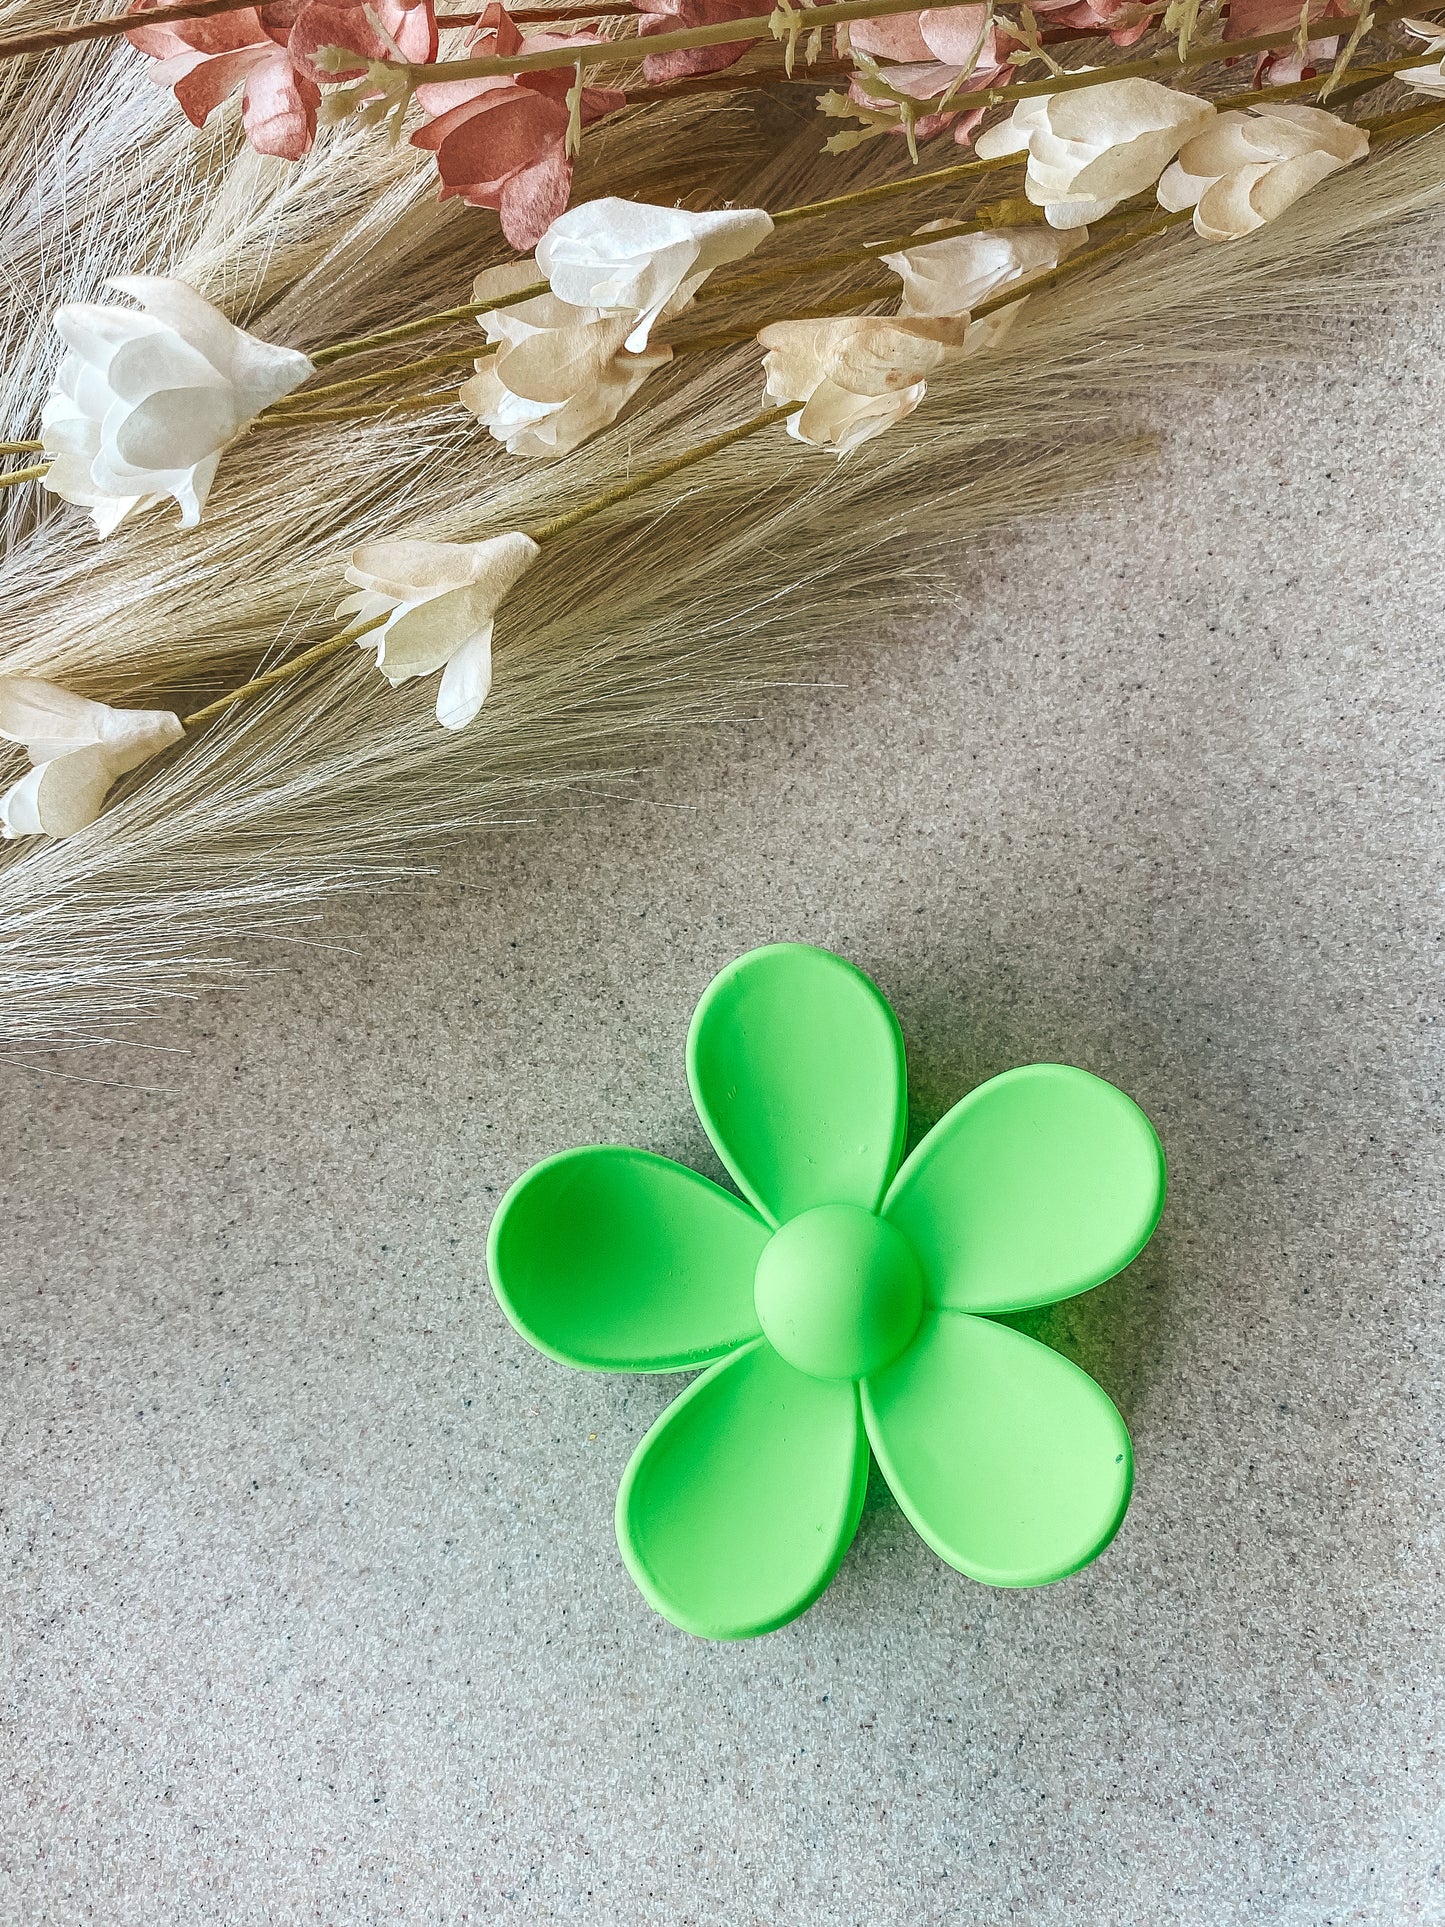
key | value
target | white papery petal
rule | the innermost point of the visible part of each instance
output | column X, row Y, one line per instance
column 93, row 332
column 34, row 711
column 78, row 747
column 466, row 681
column 56, row 798
column 443, row 598
column 637, row 259
column 163, row 391
column 550, row 387
column 1246, row 169
column 1093, row 147
column 950, row 277
column 856, row 375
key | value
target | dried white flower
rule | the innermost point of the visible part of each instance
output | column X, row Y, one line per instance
column 1245, row 169
column 855, row 375
column 560, row 374
column 1096, row 146
column 77, row 748
column 953, row 277
column 440, row 600
column 145, row 401
column 1426, row 80
column 631, row 258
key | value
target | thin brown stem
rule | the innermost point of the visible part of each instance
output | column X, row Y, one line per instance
column 1079, row 263
column 19, row 448
column 761, row 27
column 49, row 39
column 739, row 80
column 468, row 311
column 717, row 34
column 540, row 16
column 293, row 666
column 858, row 298
column 429, row 364
column 648, row 477
column 889, row 190
column 547, row 532
column 1166, row 64
column 19, row 475
column 407, row 405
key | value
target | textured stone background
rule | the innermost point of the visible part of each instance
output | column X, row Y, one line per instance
column 312, row 1611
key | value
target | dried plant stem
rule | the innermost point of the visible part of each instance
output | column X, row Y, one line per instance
column 718, row 34
column 889, row 190
column 406, row 405
column 539, row 16
column 397, row 371
column 19, row 448
column 546, row 532
column 858, row 298
column 49, row 39
column 1079, row 263
column 660, row 472
column 762, row 27
column 283, row 672
column 408, row 330
column 739, row 80
column 18, row 475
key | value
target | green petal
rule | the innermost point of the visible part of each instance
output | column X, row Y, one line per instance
column 796, row 1065
column 1009, row 1461
column 616, row 1260
column 739, row 1504
column 1039, row 1184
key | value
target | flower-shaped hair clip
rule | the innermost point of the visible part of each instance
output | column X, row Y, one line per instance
column 845, row 1303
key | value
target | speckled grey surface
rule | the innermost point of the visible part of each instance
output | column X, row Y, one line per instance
column 312, row 1611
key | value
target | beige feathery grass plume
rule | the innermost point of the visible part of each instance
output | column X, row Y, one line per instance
column 668, row 610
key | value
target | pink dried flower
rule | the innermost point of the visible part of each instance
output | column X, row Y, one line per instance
column 502, row 142
column 270, row 52
column 1250, row 18
column 665, row 16
column 1125, row 21
column 936, row 50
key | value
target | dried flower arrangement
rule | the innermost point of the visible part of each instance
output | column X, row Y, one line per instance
column 528, row 453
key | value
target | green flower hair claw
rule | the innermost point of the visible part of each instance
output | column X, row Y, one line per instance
column 845, row 1303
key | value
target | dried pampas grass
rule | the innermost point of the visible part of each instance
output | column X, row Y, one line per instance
column 668, row 611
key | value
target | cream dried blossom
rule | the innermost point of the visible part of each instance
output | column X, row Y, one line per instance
column 77, row 749
column 1090, row 149
column 560, row 374
column 631, row 258
column 440, row 600
column 855, row 375
column 954, row 276
column 1245, row 169
column 146, row 399
column 1429, row 79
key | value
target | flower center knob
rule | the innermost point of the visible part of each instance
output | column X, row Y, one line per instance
column 839, row 1293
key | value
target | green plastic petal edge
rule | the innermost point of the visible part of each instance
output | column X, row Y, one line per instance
column 796, row 1066
column 1039, row 1184
column 616, row 1260
column 1007, row 1459
column 737, row 1507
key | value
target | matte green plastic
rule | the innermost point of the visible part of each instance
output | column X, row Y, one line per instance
column 841, row 1311
column 738, row 1506
column 796, row 1069
column 839, row 1292
column 1039, row 1184
column 616, row 1260
column 1048, row 1462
